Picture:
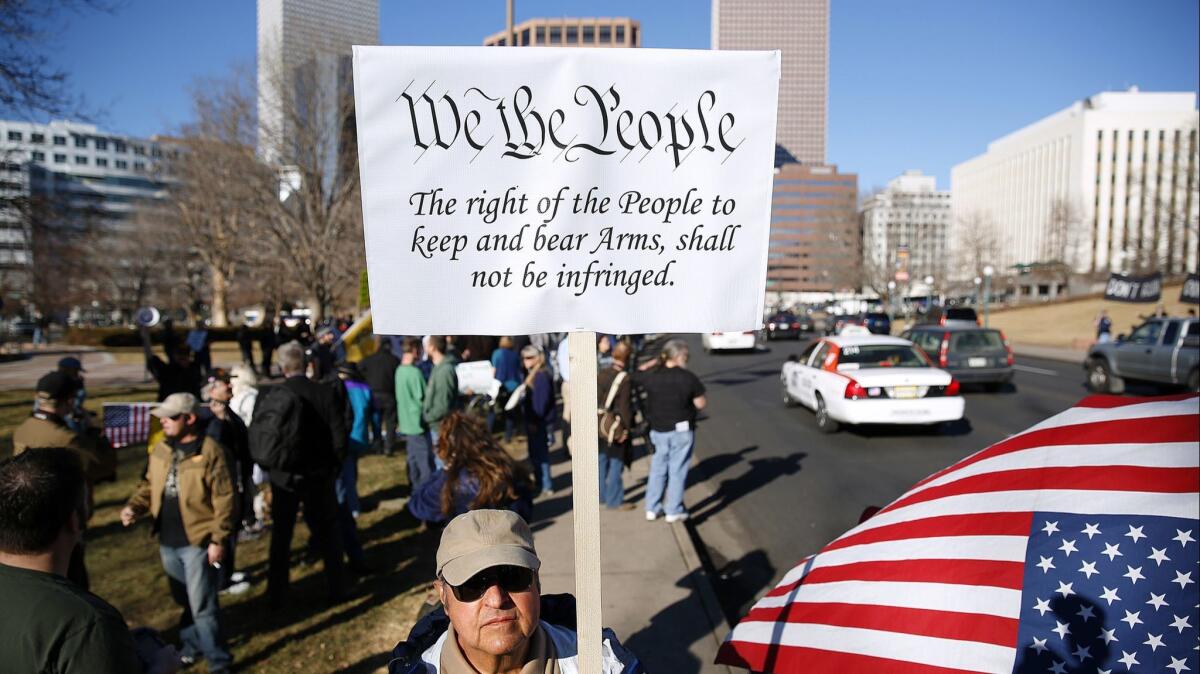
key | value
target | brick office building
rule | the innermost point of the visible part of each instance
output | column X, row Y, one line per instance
column 816, row 242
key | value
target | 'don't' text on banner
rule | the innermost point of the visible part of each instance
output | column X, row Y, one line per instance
column 514, row 191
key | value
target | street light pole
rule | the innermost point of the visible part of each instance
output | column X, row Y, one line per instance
column 928, row 294
column 987, row 291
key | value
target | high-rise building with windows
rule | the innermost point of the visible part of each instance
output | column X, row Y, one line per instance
column 906, row 230
column 800, row 30
column 815, row 244
column 1106, row 184
column 585, row 32
column 65, row 177
column 316, row 34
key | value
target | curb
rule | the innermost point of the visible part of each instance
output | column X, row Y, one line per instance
column 702, row 585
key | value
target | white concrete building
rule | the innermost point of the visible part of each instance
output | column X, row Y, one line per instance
column 81, row 171
column 800, row 30
column 307, row 33
column 1107, row 184
column 906, row 230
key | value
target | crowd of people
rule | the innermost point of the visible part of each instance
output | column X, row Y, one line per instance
column 239, row 448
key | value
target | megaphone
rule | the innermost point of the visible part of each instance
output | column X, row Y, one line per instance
column 147, row 317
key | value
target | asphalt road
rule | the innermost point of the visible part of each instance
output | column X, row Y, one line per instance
column 769, row 488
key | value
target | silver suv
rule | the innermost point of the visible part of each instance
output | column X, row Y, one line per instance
column 1161, row 351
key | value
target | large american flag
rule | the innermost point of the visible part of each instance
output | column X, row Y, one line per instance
column 1070, row 547
column 127, row 423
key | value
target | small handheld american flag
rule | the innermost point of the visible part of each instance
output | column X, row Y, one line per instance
column 127, row 423
column 1070, row 547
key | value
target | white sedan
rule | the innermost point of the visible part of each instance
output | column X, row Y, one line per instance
column 870, row 379
column 729, row 341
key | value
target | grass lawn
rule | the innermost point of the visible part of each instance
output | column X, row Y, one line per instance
column 309, row 635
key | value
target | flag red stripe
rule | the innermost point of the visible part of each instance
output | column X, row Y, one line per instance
column 763, row 657
column 982, row 572
column 1084, row 478
column 1111, row 402
column 921, row 622
column 1179, row 428
column 986, row 524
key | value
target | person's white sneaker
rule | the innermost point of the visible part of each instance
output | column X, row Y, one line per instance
column 236, row 588
column 237, row 577
column 651, row 516
column 677, row 518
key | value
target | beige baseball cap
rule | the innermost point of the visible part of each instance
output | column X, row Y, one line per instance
column 481, row 539
column 176, row 403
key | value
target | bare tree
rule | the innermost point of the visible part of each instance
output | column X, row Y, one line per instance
column 217, row 187
column 29, row 82
column 977, row 245
column 309, row 137
column 1061, row 241
column 137, row 263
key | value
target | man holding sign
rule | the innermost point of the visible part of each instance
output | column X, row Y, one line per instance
column 551, row 190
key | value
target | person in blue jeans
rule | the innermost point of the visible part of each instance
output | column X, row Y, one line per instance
column 614, row 393
column 673, row 397
column 188, row 492
column 540, row 413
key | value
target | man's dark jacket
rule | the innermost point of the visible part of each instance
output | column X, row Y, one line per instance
column 379, row 371
column 323, row 431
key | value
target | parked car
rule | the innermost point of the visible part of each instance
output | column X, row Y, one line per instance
column 786, row 325
column 835, row 324
column 951, row 316
column 974, row 355
column 1160, row 351
column 878, row 322
column 870, row 379
column 729, row 341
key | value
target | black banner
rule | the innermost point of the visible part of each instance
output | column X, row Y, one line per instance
column 1191, row 289
column 1134, row 288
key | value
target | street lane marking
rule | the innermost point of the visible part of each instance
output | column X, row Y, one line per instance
column 1034, row 370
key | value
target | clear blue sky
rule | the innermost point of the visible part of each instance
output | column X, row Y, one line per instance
column 920, row 84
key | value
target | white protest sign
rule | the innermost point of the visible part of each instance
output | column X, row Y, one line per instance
column 517, row 191
column 474, row 376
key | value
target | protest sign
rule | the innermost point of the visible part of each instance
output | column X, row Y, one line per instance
column 516, row 191
column 1123, row 288
column 1190, row 292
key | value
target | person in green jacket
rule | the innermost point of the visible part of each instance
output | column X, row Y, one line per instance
column 410, row 397
column 441, row 396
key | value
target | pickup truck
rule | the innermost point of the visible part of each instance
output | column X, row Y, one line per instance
column 1160, row 351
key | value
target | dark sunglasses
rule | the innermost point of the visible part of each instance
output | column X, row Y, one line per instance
column 175, row 417
column 510, row 579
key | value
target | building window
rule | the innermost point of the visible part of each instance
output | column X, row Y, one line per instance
column 541, row 35
column 101, row 143
column 139, row 166
column 620, row 34
column 14, row 135
column 589, row 34
column 101, row 162
column 39, row 156
column 119, row 146
column 525, row 36
column 155, row 152
column 139, row 150
column 605, row 34
column 80, row 141
column 555, row 35
column 60, row 140
column 80, row 159
column 37, row 138
column 122, row 164
column 60, row 158
column 572, row 35
column 633, row 36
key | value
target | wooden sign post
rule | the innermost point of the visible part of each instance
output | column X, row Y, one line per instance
column 522, row 191
column 585, row 499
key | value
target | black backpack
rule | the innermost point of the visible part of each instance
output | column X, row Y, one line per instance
column 275, row 430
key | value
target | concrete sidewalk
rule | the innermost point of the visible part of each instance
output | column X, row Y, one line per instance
column 1058, row 353
column 100, row 370
column 657, row 598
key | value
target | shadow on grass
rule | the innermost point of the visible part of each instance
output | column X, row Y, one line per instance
column 403, row 563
